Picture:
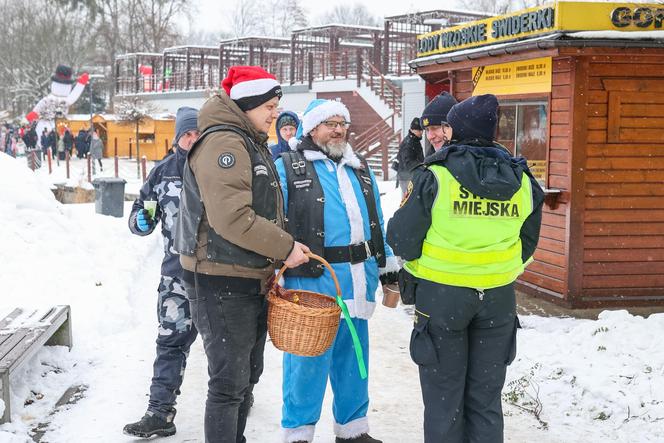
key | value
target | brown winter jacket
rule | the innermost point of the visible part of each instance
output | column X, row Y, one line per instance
column 227, row 195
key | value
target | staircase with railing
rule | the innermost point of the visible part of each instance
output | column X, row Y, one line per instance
column 379, row 144
column 388, row 92
column 338, row 65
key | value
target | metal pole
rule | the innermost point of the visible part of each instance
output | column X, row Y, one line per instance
column 144, row 167
column 138, row 153
column 90, row 88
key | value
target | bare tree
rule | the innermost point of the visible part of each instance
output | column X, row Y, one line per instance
column 280, row 17
column 488, row 6
column 156, row 22
column 205, row 38
column 500, row 6
column 134, row 112
column 356, row 14
column 271, row 18
column 245, row 18
column 121, row 26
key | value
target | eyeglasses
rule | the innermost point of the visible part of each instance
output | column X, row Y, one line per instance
column 330, row 124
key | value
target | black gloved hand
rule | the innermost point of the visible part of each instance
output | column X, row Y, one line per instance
column 389, row 278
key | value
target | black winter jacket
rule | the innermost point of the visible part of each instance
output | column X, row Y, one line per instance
column 410, row 156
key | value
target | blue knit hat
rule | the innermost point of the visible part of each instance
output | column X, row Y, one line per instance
column 475, row 117
column 186, row 119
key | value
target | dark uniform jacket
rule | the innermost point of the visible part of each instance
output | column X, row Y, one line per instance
column 485, row 169
column 163, row 185
column 410, row 156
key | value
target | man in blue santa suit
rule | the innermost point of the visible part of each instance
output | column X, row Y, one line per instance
column 332, row 206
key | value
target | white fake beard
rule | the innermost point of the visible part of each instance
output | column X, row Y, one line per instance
column 334, row 149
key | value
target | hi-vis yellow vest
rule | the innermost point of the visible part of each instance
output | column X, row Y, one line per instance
column 473, row 241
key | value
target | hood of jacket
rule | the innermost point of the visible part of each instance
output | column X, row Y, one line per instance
column 484, row 168
column 280, row 140
column 220, row 109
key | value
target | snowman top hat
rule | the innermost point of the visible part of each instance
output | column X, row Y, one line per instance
column 63, row 75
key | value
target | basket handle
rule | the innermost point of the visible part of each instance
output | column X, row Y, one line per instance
column 344, row 310
column 317, row 258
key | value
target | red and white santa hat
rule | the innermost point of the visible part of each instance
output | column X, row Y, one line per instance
column 250, row 86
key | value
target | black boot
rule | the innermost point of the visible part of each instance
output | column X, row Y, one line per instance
column 364, row 438
column 150, row 425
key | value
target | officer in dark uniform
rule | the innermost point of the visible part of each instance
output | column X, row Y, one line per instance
column 467, row 230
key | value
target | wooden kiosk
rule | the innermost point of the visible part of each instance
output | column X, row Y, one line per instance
column 581, row 89
column 156, row 134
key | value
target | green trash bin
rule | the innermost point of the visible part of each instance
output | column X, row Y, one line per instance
column 109, row 196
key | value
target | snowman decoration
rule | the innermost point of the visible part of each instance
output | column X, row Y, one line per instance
column 58, row 101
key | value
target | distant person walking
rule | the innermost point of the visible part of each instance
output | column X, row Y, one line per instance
column 96, row 150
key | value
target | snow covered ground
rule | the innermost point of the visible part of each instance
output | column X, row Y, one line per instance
column 596, row 380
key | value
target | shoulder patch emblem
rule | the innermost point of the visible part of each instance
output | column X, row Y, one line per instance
column 226, row 160
column 409, row 191
column 260, row 170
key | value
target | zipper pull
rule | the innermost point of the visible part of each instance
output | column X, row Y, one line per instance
column 480, row 294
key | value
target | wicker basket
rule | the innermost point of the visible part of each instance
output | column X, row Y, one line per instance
column 302, row 322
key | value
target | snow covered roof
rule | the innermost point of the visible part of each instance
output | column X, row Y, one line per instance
column 442, row 12
column 113, row 117
column 137, row 54
column 619, row 35
column 256, row 37
column 177, row 48
column 338, row 25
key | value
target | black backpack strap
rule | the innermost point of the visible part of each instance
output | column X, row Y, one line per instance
column 249, row 144
column 294, row 162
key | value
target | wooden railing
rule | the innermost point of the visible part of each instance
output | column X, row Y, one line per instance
column 378, row 83
column 336, row 65
column 376, row 140
column 177, row 81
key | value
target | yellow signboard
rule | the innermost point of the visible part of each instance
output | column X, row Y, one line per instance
column 523, row 77
column 538, row 169
column 556, row 17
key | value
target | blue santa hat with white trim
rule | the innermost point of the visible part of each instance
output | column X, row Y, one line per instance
column 318, row 111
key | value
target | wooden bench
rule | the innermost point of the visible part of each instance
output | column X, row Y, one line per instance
column 22, row 334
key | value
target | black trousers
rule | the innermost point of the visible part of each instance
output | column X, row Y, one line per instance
column 232, row 321
column 462, row 341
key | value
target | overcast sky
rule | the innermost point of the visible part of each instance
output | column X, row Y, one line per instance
column 211, row 12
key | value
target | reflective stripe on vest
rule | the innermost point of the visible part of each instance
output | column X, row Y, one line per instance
column 473, row 242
